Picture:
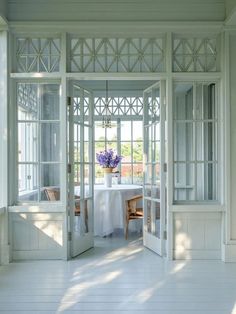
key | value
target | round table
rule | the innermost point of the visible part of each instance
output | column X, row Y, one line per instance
column 109, row 207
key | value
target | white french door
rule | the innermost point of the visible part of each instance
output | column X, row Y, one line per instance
column 81, row 169
column 154, row 188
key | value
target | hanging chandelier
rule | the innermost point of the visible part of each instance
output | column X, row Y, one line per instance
column 106, row 120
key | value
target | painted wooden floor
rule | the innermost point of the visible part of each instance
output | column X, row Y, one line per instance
column 118, row 277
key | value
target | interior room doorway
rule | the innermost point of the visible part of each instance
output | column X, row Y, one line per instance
column 136, row 111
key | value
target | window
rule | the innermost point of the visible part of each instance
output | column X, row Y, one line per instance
column 195, row 142
column 38, row 140
column 125, row 136
column 132, row 152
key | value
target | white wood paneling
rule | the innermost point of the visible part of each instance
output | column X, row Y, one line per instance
column 37, row 235
column 113, row 10
column 197, row 235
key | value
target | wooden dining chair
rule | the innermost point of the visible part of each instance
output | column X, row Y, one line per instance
column 52, row 194
column 132, row 212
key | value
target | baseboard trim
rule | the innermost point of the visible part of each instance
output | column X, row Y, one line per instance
column 229, row 253
column 197, row 254
column 4, row 254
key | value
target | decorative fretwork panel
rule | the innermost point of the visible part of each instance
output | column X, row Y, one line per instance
column 37, row 54
column 117, row 55
column 195, row 55
column 117, row 106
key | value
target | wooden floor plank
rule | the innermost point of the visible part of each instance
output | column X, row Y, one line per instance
column 118, row 276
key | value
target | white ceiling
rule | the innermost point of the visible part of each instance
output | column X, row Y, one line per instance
column 117, row 10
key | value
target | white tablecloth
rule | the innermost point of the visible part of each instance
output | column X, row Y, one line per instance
column 109, row 207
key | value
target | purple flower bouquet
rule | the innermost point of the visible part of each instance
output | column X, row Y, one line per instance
column 108, row 158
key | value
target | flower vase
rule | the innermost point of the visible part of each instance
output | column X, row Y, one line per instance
column 108, row 177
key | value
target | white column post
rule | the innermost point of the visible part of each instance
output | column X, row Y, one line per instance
column 4, row 247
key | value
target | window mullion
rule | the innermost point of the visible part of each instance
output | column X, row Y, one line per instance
column 194, row 141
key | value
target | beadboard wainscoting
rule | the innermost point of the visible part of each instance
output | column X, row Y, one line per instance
column 37, row 235
column 197, row 235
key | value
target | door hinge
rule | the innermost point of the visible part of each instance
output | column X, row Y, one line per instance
column 68, row 101
column 165, row 235
column 69, row 168
column 69, row 236
column 165, row 167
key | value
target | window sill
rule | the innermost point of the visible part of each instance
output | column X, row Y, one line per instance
column 38, row 208
column 203, row 207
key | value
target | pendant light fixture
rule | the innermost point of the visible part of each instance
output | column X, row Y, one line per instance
column 106, row 120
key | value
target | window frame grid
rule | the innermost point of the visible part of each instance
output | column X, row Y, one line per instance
column 38, row 122
column 195, row 162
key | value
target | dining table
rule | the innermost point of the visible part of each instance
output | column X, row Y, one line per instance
column 109, row 208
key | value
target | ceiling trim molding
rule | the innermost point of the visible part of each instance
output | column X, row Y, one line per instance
column 103, row 28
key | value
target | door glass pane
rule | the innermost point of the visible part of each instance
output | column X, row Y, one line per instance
column 156, row 191
column 81, row 221
column 157, row 219
column 50, row 178
column 27, row 182
column 148, row 174
column 50, row 102
column 184, row 142
column 76, row 174
column 50, row 142
column 27, row 101
column 86, row 174
column 27, row 142
column 183, row 97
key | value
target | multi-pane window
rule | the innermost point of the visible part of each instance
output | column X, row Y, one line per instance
column 125, row 136
column 38, row 140
column 132, row 151
column 195, row 142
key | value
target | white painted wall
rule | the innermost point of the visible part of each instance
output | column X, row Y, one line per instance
column 113, row 10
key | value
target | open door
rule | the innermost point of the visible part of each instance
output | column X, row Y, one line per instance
column 80, row 169
column 154, row 205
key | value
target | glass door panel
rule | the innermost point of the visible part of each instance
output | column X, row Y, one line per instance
column 81, row 161
column 154, row 178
